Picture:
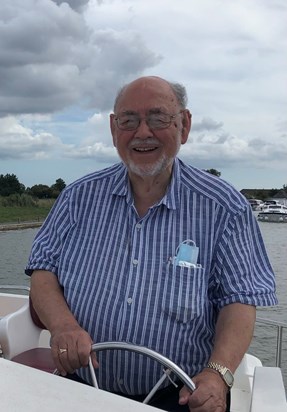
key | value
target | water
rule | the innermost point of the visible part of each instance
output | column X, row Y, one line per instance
column 264, row 342
column 15, row 248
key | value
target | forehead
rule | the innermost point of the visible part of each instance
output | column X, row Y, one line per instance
column 146, row 94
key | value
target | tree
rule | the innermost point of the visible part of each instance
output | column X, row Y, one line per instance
column 40, row 191
column 213, row 172
column 272, row 192
column 57, row 187
column 9, row 185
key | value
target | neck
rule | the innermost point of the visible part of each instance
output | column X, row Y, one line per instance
column 148, row 190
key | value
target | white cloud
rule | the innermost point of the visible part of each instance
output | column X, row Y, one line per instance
column 19, row 142
column 50, row 59
column 220, row 149
column 207, row 124
column 61, row 64
column 75, row 4
column 98, row 151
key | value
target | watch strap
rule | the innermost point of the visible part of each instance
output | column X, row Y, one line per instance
column 223, row 372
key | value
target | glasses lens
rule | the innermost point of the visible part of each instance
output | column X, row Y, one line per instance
column 153, row 120
column 128, row 121
column 158, row 120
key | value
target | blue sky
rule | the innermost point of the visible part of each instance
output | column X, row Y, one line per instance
column 62, row 63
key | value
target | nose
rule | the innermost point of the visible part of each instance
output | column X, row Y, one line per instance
column 143, row 131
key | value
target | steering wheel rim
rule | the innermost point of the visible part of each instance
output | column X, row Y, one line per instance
column 185, row 379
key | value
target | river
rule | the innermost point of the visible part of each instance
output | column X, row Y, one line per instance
column 15, row 247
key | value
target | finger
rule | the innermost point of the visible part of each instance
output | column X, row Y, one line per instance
column 66, row 359
column 84, row 351
column 74, row 357
column 57, row 360
column 94, row 360
column 67, row 356
column 184, row 395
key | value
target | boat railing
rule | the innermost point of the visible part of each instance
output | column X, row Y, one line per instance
column 280, row 326
column 15, row 288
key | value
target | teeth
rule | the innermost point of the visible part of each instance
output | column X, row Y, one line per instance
column 143, row 149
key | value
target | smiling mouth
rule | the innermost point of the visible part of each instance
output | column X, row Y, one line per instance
column 144, row 149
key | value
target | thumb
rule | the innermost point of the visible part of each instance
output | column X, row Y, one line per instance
column 184, row 396
column 94, row 360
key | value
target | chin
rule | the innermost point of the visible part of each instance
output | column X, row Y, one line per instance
column 149, row 170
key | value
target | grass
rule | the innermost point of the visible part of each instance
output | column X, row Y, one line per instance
column 18, row 214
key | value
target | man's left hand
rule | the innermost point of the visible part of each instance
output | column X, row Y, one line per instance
column 209, row 395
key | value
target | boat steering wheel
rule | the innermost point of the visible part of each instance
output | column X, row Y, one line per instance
column 167, row 363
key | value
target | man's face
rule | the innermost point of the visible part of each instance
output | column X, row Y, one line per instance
column 147, row 151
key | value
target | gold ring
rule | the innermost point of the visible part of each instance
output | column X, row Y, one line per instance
column 62, row 351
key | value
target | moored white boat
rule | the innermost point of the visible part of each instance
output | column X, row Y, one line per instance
column 256, row 204
column 256, row 388
column 273, row 213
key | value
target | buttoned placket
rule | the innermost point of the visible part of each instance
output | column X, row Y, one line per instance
column 135, row 240
column 129, row 300
column 131, row 285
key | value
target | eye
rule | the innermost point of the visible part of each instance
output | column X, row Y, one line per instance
column 127, row 121
column 158, row 119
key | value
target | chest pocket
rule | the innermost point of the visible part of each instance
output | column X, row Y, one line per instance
column 184, row 293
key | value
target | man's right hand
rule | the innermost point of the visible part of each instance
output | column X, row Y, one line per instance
column 71, row 348
column 70, row 344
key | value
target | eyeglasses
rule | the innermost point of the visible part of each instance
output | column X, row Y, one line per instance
column 155, row 121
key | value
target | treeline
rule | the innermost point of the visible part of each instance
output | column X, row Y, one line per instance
column 264, row 194
column 14, row 192
column 10, row 187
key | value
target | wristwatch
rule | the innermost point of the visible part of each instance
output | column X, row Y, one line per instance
column 223, row 371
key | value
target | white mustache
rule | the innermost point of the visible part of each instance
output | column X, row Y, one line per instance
column 142, row 142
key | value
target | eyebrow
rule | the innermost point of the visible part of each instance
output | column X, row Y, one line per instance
column 156, row 110
column 150, row 111
column 128, row 112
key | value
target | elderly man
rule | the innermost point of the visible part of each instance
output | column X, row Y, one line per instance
column 153, row 252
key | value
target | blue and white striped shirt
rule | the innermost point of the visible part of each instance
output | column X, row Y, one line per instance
column 118, row 278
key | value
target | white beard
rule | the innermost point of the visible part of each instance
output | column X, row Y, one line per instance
column 151, row 169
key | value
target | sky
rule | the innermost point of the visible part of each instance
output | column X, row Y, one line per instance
column 62, row 63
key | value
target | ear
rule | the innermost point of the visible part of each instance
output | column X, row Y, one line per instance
column 113, row 128
column 186, row 125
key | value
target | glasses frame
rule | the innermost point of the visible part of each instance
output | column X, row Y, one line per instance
column 140, row 119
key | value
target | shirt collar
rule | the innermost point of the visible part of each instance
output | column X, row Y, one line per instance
column 170, row 199
column 121, row 181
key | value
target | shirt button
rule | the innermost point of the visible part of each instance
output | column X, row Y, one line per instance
column 138, row 226
column 130, row 300
column 135, row 261
column 120, row 381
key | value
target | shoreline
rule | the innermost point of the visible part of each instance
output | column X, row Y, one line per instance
column 18, row 226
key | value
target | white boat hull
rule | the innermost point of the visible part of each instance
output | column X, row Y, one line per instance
column 272, row 217
column 30, row 390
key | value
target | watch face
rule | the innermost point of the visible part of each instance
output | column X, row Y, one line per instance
column 228, row 377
